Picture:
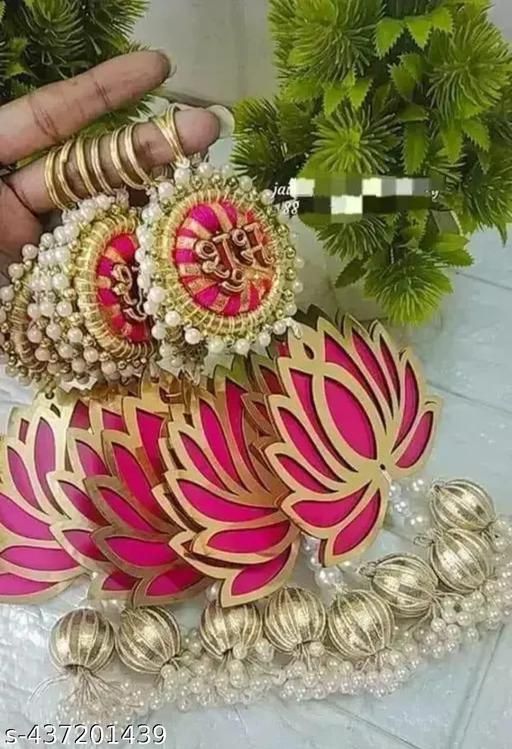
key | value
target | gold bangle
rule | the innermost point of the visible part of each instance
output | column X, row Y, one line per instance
column 83, row 168
column 61, row 161
column 49, row 178
column 97, row 167
column 115, row 155
column 166, row 123
column 129, row 149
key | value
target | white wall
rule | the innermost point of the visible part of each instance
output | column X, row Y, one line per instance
column 222, row 47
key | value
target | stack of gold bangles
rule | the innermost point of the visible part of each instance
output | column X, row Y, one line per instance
column 206, row 268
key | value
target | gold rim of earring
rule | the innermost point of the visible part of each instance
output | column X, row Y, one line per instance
column 97, row 167
column 131, row 155
column 49, row 178
column 117, row 158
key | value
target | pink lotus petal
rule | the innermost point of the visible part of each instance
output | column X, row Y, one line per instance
column 119, row 581
column 418, row 442
column 18, row 473
column 91, row 462
column 215, row 507
column 330, row 512
column 135, row 479
column 216, row 438
column 150, row 427
column 23, row 428
column 122, row 509
column 390, row 363
column 373, row 366
column 82, row 542
column 410, row 405
column 359, row 529
column 174, row 582
column 298, row 435
column 236, row 413
column 140, row 553
column 112, row 420
column 80, row 418
column 39, row 560
column 81, row 502
column 299, row 474
column 15, row 586
column 14, row 519
column 350, row 418
column 249, row 540
column 198, row 458
column 258, row 577
column 45, row 456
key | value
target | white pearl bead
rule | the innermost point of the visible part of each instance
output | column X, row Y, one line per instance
column 246, row 183
column 173, row 319
column 66, row 351
column 290, row 309
column 193, row 336
column 150, row 308
column 75, row 336
column 71, row 232
column 46, row 240
column 157, row 295
column 205, row 170
column 182, row 176
column 108, row 368
column 29, row 252
column 33, row 311
column 16, row 271
column 280, row 327
column 7, row 293
column 60, row 235
column 227, row 171
column 165, row 190
column 91, row 355
column 242, row 347
column 54, row 331
column 314, row 562
column 267, row 197
column 47, row 308
column 213, row 591
column 216, row 346
column 86, row 214
column 60, row 281
column 159, row 331
column 34, row 335
column 264, row 339
column 42, row 354
column 79, row 366
column 299, row 262
column 64, row 309
column 62, row 255
column 298, row 287
column 104, row 202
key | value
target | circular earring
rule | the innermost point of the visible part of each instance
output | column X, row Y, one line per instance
column 218, row 267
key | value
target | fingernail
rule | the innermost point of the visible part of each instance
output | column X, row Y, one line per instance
column 225, row 118
column 172, row 65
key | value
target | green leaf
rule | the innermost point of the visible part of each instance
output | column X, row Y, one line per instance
column 382, row 98
column 359, row 92
column 414, row 64
column 351, row 273
column 415, row 146
column 451, row 250
column 404, row 82
column 299, row 90
column 442, row 19
column 420, row 28
column 2, row 10
column 413, row 113
column 453, row 140
column 388, row 32
column 478, row 132
column 336, row 92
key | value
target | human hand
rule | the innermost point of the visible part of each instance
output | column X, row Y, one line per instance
column 56, row 112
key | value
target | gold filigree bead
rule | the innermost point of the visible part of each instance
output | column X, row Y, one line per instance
column 360, row 624
column 461, row 504
column 294, row 617
column 405, row 581
column 462, row 560
column 233, row 630
column 82, row 638
column 148, row 639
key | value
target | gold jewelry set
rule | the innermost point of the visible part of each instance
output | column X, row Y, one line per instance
column 206, row 268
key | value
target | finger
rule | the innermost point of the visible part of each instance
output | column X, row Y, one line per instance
column 19, row 226
column 197, row 129
column 53, row 113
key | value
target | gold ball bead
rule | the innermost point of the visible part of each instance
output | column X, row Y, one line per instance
column 82, row 638
column 405, row 581
column 148, row 638
column 294, row 617
column 461, row 504
column 360, row 624
column 462, row 560
column 222, row 629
